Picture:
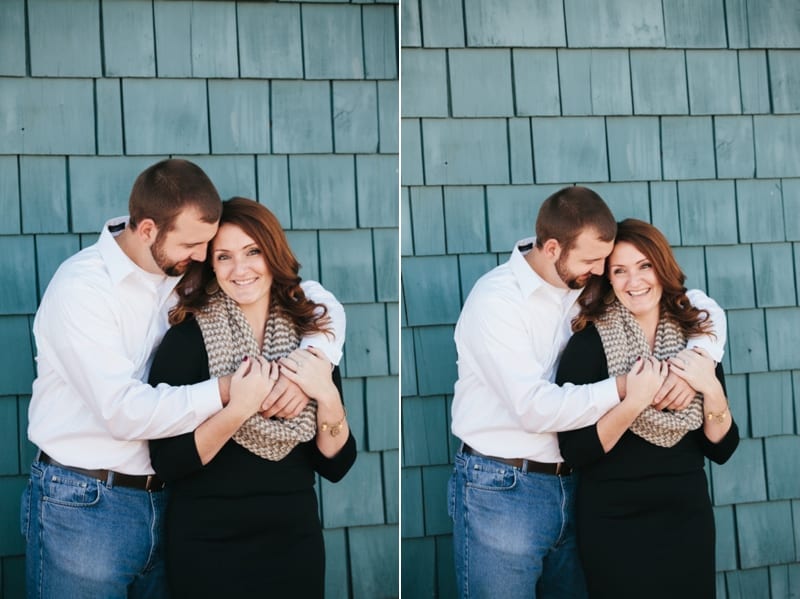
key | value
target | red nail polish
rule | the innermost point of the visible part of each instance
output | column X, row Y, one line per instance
column 244, row 359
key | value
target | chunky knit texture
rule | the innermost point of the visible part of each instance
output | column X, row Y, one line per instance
column 229, row 338
column 623, row 342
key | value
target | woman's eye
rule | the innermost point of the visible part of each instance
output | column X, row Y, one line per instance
column 221, row 257
column 647, row 265
column 254, row 252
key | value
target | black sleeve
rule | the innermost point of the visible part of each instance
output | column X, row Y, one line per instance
column 336, row 467
column 720, row 452
column 583, row 362
column 181, row 359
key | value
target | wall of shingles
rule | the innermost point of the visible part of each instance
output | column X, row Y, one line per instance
column 685, row 113
column 293, row 103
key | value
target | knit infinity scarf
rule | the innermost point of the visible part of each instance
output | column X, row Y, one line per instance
column 229, row 338
column 623, row 342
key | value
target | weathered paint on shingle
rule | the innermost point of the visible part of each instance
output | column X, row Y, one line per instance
column 406, row 237
column 434, row 498
column 346, row 256
column 128, row 39
column 47, row 116
column 100, row 186
column 411, row 501
column 713, row 82
column 418, row 567
column 736, row 388
column 664, row 210
column 658, row 79
column 232, row 175
column 473, row 71
column 773, row 24
column 374, row 555
column 427, row 213
column 9, row 444
column 764, row 537
column 332, row 42
column 444, row 567
column 771, row 408
column 736, row 21
column 382, row 418
column 760, row 210
column 12, row 37
column 754, row 81
column 17, row 354
column 380, row 42
column 730, row 275
column 472, row 267
column 336, row 578
column 708, row 212
column 9, row 195
column 746, row 339
column 626, row 200
column 410, row 31
column 364, row 482
column 519, row 139
column 791, row 208
column 273, row 186
column 428, row 282
column 376, row 183
column 784, row 77
column 782, row 327
column 366, row 340
column 11, row 541
column 464, row 219
column 391, row 477
column 746, row 584
column 692, row 263
column 777, row 145
column 213, row 39
column 634, row 148
column 239, row 113
column 424, row 89
column 733, row 138
column 450, row 156
column 771, row 264
column 434, row 347
column 305, row 247
column 783, row 468
column 392, row 314
column 741, row 479
column 511, row 212
column 165, row 115
column 43, row 188
column 270, row 40
column 725, row 546
column 507, row 23
column 323, row 192
column 536, row 82
column 64, row 38
column 408, row 376
column 694, row 23
column 688, row 147
column 442, row 23
column 108, row 98
column 355, row 113
column 614, row 23
column 51, row 251
column 784, row 579
column 427, row 417
column 173, row 38
column 569, row 149
column 388, row 115
column 594, row 82
column 301, row 117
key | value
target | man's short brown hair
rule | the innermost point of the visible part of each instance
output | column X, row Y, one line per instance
column 569, row 211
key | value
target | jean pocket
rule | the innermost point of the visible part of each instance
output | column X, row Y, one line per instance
column 71, row 491
column 490, row 476
column 25, row 510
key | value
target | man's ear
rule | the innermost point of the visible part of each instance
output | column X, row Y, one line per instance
column 147, row 230
column 552, row 249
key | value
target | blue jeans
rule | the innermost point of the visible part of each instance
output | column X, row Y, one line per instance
column 87, row 538
column 513, row 532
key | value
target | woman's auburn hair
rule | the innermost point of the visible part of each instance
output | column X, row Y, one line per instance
column 263, row 227
column 594, row 300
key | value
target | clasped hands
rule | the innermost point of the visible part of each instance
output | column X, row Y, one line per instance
column 688, row 372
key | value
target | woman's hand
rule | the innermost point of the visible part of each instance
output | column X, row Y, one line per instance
column 310, row 369
column 697, row 368
column 251, row 383
column 644, row 380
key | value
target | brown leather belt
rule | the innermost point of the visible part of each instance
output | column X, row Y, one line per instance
column 144, row 482
column 557, row 469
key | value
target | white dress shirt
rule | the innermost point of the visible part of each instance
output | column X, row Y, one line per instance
column 509, row 337
column 96, row 331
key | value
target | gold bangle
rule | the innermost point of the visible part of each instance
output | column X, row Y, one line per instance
column 717, row 417
column 336, row 428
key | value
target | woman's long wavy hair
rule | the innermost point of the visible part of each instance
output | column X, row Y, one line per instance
column 264, row 228
column 598, row 293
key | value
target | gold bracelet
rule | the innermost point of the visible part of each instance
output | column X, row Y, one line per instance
column 334, row 429
column 717, row 417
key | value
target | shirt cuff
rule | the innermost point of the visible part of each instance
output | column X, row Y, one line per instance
column 715, row 351
column 205, row 398
column 605, row 394
column 321, row 341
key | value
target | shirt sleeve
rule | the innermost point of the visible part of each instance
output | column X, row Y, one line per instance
column 334, row 468
column 582, row 362
column 333, row 342
column 713, row 344
column 85, row 345
column 512, row 362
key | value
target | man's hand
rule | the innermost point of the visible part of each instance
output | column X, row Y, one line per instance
column 286, row 400
column 675, row 394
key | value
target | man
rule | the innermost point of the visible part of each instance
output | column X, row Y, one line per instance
column 511, row 496
column 93, row 511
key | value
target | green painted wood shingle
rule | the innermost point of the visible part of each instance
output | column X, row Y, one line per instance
column 270, row 40
column 239, row 116
column 301, row 117
column 615, row 23
column 55, row 50
column 12, row 37
column 569, row 149
column 473, row 70
column 128, row 39
column 506, row 23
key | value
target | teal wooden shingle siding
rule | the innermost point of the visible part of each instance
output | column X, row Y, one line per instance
column 292, row 103
column 684, row 113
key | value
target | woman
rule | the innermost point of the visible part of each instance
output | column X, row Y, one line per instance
column 645, row 524
column 243, row 516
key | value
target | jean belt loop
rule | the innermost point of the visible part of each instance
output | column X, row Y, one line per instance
column 110, row 480
column 524, row 465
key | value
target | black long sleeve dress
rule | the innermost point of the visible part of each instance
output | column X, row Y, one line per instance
column 241, row 526
column 644, row 520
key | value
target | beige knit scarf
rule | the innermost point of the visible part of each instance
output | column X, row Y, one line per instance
column 229, row 338
column 623, row 342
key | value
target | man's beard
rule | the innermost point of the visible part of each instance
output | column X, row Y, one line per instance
column 570, row 280
column 172, row 269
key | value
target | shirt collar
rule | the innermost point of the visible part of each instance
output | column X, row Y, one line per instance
column 528, row 279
